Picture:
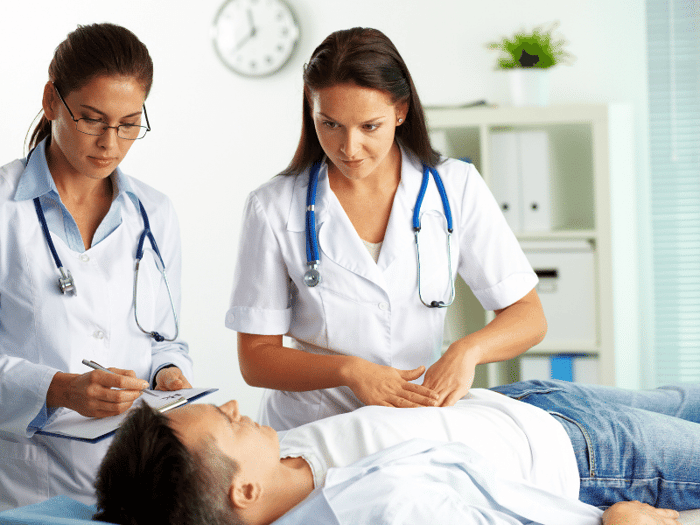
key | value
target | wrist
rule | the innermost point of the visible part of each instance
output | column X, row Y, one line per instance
column 347, row 371
column 58, row 393
column 467, row 350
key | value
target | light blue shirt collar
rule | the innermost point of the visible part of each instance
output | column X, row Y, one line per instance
column 36, row 181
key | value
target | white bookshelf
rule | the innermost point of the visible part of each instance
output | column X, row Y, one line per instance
column 593, row 195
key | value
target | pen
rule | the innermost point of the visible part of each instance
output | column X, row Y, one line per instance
column 98, row 366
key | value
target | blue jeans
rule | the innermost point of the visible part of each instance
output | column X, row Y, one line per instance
column 629, row 445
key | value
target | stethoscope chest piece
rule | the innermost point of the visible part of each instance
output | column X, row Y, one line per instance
column 66, row 282
column 312, row 276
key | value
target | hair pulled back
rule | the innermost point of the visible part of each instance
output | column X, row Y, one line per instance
column 365, row 57
column 91, row 51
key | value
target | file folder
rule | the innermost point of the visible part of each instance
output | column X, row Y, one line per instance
column 520, row 178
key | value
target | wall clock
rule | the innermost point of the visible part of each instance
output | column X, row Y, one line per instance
column 255, row 38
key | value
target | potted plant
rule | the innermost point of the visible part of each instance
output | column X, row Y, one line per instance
column 528, row 57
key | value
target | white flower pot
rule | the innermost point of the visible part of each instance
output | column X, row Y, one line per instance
column 529, row 86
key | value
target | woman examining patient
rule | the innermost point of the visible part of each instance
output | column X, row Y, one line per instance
column 364, row 334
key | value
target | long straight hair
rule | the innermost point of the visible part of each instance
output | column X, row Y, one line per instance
column 365, row 57
column 91, row 51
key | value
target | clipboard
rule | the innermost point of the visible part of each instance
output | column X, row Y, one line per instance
column 71, row 425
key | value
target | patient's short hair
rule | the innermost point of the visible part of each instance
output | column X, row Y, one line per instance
column 148, row 477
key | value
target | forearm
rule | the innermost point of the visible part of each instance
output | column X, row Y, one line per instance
column 266, row 362
column 514, row 330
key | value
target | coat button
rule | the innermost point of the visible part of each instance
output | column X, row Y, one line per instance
column 384, row 306
column 84, row 257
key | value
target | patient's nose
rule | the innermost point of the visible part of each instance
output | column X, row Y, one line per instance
column 231, row 410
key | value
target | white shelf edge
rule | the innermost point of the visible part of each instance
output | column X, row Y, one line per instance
column 557, row 235
column 441, row 118
column 573, row 348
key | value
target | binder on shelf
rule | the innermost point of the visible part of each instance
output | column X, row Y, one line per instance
column 520, row 179
column 581, row 368
column 535, row 181
column 505, row 179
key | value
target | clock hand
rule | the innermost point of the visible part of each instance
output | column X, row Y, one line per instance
column 249, row 35
column 253, row 29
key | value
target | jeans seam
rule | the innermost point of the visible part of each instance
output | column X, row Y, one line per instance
column 587, row 439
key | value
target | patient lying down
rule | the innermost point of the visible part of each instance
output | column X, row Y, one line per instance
column 489, row 459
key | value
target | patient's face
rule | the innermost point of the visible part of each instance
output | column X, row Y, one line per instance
column 254, row 447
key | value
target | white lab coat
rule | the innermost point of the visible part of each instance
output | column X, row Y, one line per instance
column 43, row 332
column 363, row 308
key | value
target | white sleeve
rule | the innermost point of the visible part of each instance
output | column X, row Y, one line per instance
column 491, row 260
column 260, row 300
column 22, row 393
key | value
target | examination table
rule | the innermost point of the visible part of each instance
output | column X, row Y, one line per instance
column 62, row 510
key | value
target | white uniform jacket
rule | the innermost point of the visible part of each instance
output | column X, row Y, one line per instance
column 363, row 308
column 43, row 332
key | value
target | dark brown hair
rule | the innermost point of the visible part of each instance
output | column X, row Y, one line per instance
column 91, row 51
column 149, row 477
column 365, row 57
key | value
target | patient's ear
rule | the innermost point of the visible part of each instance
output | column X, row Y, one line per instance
column 244, row 494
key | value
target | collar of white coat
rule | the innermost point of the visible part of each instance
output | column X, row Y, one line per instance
column 36, row 179
column 337, row 237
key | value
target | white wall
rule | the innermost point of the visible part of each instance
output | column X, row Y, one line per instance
column 216, row 136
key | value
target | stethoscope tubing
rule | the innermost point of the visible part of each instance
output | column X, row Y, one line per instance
column 65, row 282
column 421, row 195
column 139, row 255
column 311, row 237
column 312, row 276
column 67, row 285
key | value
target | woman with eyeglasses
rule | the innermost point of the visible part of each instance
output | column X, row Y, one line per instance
column 70, row 225
column 346, row 253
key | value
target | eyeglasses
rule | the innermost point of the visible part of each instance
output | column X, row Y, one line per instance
column 96, row 127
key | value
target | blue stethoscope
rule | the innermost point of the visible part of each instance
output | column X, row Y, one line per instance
column 66, row 283
column 312, row 277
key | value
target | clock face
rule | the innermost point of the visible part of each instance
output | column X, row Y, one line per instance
column 255, row 37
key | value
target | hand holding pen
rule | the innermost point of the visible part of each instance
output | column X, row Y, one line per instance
column 168, row 378
column 97, row 366
column 97, row 393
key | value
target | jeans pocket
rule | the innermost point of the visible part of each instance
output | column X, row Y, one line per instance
column 582, row 444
